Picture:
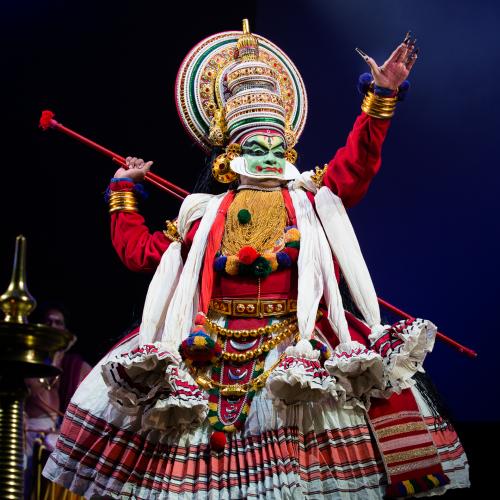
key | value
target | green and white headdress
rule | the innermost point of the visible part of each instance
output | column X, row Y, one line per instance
column 234, row 82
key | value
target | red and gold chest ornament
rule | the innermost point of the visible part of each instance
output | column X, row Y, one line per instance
column 248, row 261
column 256, row 239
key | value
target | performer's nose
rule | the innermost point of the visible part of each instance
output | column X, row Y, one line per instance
column 271, row 159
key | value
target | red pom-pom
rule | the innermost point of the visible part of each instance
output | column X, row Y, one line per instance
column 45, row 119
column 293, row 253
column 200, row 319
column 247, row 255
column 218, row 441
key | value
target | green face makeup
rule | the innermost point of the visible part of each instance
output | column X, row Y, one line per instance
column 265, row 155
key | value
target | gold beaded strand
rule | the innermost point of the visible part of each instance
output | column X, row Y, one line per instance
column 256, row 332
column 267, row 346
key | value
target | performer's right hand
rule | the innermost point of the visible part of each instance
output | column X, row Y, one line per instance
column 136, row 171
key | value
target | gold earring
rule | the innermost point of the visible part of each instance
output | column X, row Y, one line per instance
column 291, row 156
column 221, row 169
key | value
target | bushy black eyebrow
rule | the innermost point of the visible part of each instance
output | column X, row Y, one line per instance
column 253, row 142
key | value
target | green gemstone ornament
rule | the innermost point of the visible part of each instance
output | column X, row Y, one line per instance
column 244, row 216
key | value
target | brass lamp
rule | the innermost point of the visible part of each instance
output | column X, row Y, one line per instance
column 26, row 350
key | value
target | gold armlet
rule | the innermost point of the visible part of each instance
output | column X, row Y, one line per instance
column 171, row 232
column 379, row 107
column 318, row 175
column 122, row 201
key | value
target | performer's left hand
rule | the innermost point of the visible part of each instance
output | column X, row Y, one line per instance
column 397, row 68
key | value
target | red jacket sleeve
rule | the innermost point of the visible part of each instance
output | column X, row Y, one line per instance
column 353, row 167
column 139, row 249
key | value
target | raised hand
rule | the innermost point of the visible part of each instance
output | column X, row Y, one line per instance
column 136, row 171
column 397, row 68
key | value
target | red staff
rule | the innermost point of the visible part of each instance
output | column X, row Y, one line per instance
column 47, row 121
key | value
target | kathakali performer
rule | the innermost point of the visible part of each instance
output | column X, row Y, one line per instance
column 248, row 378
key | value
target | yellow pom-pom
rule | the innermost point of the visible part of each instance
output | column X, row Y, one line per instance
column 232, row 264
column 273, row 261
column 292, row 235
column 199, row 341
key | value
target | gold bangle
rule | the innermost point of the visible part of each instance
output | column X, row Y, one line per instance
column 122, row 195
column 123, row 208
column 124, row 201
column 377, row 106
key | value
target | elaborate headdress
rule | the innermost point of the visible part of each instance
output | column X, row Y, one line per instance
column 233, row 84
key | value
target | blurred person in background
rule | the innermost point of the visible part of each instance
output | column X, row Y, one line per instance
column 48, row 397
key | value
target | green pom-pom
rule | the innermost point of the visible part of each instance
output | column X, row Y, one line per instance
column 261, row 267
column 293, row 244
column 244, row 216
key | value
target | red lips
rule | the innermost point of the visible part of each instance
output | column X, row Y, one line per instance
column 277, row 170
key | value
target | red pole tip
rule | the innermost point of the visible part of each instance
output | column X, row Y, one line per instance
column 46, row 119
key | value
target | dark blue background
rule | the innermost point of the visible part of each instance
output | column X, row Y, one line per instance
column 428, row 226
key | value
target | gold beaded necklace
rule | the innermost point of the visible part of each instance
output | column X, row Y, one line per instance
column 266, row 226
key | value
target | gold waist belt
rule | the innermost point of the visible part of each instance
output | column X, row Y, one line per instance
column 253, row 308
